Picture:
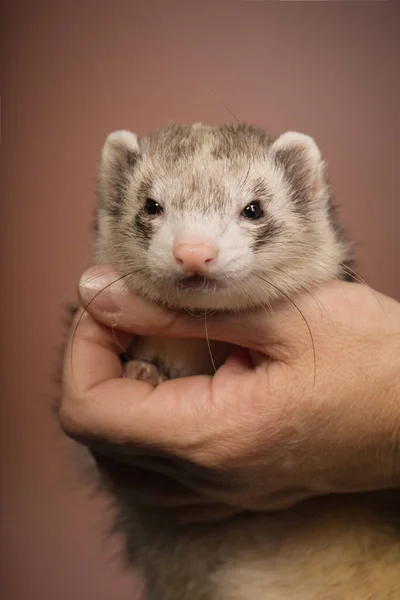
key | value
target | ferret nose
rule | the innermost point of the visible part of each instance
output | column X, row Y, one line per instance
column 195, row 258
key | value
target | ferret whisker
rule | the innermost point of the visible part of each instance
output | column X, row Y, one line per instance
column 289, row 299
column 266, row 306
column 208, row 343
column 359, row 279
column 113, row 328
column 343, row 268
column 194, row 315
column 231, row 112
column 94, row 277
column 85, row 310
column 225, row 106
column 349, row 271
column 303, row 288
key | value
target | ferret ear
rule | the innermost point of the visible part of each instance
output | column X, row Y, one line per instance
column 119, row 155
column 301, row 158
column 120, row 149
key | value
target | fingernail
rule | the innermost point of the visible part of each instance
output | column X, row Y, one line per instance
column 104, row 290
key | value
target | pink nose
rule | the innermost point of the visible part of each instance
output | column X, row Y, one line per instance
column 195, row 258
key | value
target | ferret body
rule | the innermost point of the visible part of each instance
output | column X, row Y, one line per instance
column 228, row 218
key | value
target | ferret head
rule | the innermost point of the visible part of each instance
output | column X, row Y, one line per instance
column 216, row 217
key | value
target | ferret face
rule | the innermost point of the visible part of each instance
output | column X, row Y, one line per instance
column 215, row 217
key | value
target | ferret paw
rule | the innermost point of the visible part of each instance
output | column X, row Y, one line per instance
column 144, row 371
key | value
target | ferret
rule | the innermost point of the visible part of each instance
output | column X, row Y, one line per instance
column 230, row 218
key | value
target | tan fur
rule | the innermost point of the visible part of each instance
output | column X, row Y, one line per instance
column 332, row 548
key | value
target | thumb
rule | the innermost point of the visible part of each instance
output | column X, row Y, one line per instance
column 105, row 295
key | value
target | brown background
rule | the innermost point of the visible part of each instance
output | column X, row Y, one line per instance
column 71, row 73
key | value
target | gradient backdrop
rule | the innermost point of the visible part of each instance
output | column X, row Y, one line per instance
column 71, row 73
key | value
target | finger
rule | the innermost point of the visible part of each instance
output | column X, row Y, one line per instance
column 105, row 295
column 91, row 361
column 98, row 404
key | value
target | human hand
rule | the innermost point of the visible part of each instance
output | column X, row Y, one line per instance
column 312, row 408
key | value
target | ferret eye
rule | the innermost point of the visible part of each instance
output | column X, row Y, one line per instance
column 152, row 207
column 252, row 211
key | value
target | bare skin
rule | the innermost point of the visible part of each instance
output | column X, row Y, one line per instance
column 271, row 427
